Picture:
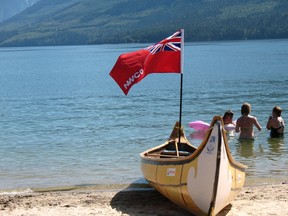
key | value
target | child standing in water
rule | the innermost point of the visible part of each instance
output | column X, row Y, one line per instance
column 245, row 123
column 228, row 117
column 276, row 123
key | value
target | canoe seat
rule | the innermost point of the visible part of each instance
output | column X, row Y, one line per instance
column 173, row 152
column 181, row 147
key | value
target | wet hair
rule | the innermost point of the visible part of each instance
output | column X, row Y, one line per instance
column 277, row 110
column 246, row 108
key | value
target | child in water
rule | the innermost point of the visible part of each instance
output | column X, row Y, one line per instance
column 228, row 117
column 276, row 123
column 245, row 123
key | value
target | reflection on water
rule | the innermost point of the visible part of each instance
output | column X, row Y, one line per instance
column 247, row 152
column 245, row 148
column 197, row 135
column 275, row 145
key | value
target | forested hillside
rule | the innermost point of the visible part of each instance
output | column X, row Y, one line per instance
column 62, row 22
column 9, row 8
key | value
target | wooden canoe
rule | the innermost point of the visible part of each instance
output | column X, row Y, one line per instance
column 201, row 180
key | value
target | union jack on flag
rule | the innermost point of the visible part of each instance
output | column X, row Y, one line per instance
column 162, row 57
column 172, row 43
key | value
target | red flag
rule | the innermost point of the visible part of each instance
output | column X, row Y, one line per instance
column 163, row 57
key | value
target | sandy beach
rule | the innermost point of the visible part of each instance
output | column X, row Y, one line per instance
column 255, row 200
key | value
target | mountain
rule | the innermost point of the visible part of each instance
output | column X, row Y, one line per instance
column 9, row 8
column 63, row 22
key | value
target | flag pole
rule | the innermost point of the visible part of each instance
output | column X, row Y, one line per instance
column 181, row 81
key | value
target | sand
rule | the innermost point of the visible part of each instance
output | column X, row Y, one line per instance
column 256, row 200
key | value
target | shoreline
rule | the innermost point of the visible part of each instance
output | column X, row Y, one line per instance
column 249, row 182
column 267, row 200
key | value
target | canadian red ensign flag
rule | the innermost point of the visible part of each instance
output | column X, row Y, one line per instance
column 163, row 57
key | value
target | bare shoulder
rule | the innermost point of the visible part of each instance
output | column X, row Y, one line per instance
column 253, row 118
column 282, row 120
column 240, row 119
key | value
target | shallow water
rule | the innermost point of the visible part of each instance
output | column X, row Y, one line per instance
column 65, row 122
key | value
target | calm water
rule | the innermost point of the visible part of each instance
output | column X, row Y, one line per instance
column 64, row 121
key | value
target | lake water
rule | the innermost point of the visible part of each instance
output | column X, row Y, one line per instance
column 65, row 122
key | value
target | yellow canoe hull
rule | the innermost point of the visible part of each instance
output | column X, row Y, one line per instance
column 201, row 180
